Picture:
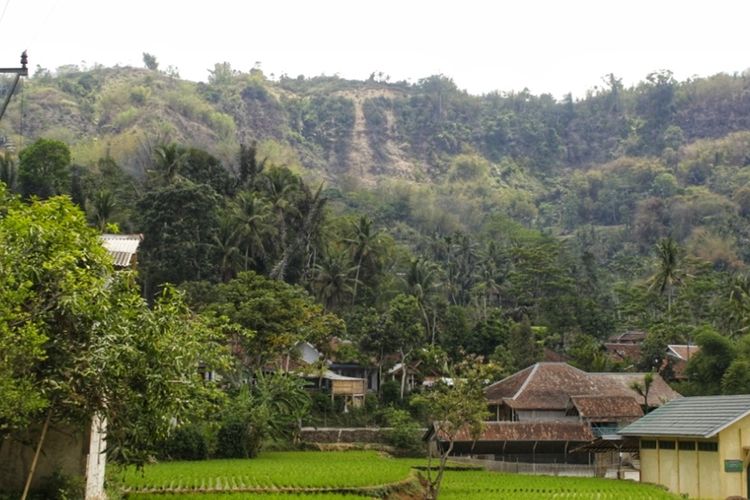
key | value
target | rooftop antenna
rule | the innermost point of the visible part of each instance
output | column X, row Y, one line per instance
column 19, row 72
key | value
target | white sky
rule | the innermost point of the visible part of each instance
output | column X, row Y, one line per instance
column 548, row 46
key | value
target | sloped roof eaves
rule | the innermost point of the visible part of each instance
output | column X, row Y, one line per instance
column 619, row 384
column 682, row 352
column 607, row 406
column 509, row 386
column 703, row 416
column 530, row 431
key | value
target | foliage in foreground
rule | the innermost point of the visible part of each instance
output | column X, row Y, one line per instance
column 77, row 339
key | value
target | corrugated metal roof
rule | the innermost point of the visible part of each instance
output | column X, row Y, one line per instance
column 703, row 416
column 122, row 247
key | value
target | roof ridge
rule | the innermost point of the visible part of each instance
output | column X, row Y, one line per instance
column 526, row 382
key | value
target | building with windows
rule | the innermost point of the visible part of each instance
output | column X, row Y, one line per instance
column 697, row 446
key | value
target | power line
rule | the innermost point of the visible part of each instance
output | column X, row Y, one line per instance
column 5, row 9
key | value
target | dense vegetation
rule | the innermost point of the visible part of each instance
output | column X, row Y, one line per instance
column 493, row 225
column 413, row 223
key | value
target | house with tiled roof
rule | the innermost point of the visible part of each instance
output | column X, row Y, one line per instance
column 697, row 446
column 543, row 411
column 678, row 356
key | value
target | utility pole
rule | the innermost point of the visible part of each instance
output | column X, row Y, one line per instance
column 19, row 72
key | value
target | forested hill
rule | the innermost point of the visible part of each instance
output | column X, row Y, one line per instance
column 628, row 208
column 662, row 157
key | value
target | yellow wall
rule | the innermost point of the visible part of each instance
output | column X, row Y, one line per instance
column 732, row 443
column 710, row 469
column 668, row 468
column 688, row 472
column 650, row 466
column 700, row 474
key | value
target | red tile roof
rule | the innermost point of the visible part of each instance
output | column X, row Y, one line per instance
column 623, row 352
column 683, row 351
column 549, row 386
column 606, row 407
column 530, row 431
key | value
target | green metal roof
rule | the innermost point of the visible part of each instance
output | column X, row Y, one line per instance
column 703, row 416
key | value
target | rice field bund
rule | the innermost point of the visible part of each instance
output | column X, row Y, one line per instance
column 351, row 474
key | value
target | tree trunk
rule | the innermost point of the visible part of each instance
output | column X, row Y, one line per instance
column 36, row 455
column 403, row 374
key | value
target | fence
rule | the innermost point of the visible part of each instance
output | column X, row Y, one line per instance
column 599, row 469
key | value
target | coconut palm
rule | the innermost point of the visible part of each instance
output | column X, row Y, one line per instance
column 363, row 244
column 254, row 218
column 104, row 205
column 168, row 159
column 226, row 241
column 421, row 280
column 333, row 278
column 669, row 272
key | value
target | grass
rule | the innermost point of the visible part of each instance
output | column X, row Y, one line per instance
column 271, row 470
column 352, row 469
column 483, row 485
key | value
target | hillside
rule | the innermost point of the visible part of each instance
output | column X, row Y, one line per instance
column 664, row 157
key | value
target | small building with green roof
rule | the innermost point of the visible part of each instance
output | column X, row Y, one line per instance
column 698, row 446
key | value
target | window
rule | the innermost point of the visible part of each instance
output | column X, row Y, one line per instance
column 666, row 445
column 686, row 445
column 708, row 446
column 648, row 444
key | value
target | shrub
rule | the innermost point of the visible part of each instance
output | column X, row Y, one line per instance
column 390, row 392
column 404, row 433
column 187, row 443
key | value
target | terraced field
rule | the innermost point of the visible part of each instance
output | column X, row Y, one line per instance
column 352, row 474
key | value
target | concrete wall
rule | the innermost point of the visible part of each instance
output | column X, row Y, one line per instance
column 695, row 473
column 734, row 441
column 64, row 449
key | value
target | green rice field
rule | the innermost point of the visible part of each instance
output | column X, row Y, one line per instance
column 215, row 479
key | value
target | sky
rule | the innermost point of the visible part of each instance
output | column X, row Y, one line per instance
column 546, row 46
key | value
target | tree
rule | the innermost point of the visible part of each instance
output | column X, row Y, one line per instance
column 253, row 215
column 405, row 333
column 270, row 317
column 453, row 409
column 707, row 367
column 78, row 340
column 669, row 272
column 150, row 62
column 168, row 161
column 363, row 243
column 179, row 222
column 333, row 280
column 643, row 389
column 44, row 169
column 8, row 171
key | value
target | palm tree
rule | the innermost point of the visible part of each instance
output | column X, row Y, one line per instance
column 282, row 189
column 333, row 278
column 253, row 216
column 421, row 280
column 668, row 271
column 226, row 240
column 363, row 244
column 168, row 160
column 104, row 205
column 8, row 171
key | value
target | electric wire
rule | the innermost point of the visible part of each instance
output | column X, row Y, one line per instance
column 5, row 9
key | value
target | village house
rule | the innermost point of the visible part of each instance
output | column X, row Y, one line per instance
column 697, row 446
column 678, row 356
column 541, row 413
